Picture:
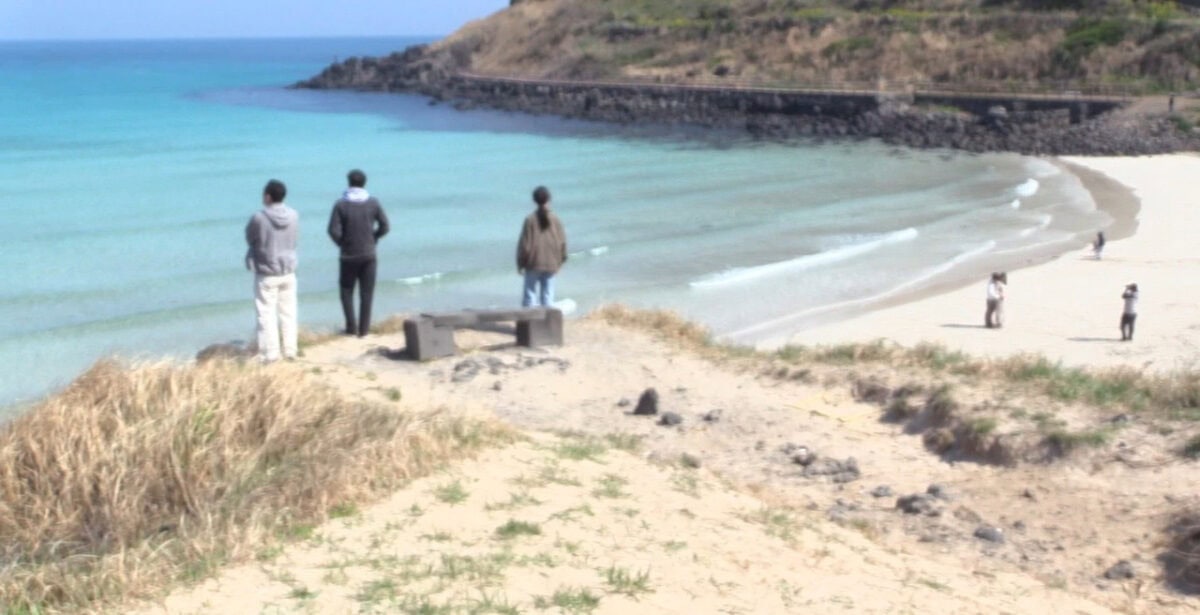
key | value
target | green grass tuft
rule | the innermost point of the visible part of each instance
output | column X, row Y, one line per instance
column 622, row 581
column 451, row 493
column 582, row 448
column 610, row 487
column 343, row 510
column 570, row 600
column 513, row 529
column 1064, row 441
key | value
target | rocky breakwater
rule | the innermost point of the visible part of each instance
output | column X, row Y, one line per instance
column 1001, row 124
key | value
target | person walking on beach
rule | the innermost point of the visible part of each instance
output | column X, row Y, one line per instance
column 357, row 223
column 272, row 236
column 1129, row 313
column 541, row 251
column 1098, row 245
column 992, row 318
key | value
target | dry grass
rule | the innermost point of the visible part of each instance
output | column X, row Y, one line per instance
column 668, row 326
column 134, row 478
column 1174, row 396
column 391, row 324
column 310, row 337
column 976, row 44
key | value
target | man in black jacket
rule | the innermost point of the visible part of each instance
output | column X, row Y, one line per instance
column 356, row 225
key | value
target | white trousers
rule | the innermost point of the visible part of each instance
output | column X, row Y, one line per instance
column 275, row 305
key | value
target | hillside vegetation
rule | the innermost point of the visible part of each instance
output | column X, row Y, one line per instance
column 1143, row 46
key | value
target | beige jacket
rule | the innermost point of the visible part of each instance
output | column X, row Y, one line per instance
column 542, row 250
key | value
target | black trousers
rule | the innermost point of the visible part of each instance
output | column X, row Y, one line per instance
column 1127, row 322
column 361, row 273
column 991, row 318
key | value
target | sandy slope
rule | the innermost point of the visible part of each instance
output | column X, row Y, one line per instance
column 702, row 547
column 1070, row 309
column 762, row 538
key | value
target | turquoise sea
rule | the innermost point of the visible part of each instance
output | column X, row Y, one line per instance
column 128, row 170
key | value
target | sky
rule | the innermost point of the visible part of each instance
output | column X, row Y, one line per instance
column 137, row 19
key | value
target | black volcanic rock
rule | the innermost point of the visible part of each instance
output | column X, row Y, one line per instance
column 1044, row 126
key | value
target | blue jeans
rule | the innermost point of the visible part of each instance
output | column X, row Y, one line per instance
column 534, row 280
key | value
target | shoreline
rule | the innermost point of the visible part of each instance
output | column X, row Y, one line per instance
column 1110, row 197
column 1011, row 122
column 1066, row 307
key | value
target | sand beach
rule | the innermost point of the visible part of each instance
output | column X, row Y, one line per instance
column 1069, row 309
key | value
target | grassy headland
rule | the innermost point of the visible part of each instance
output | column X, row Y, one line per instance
column 983, row 44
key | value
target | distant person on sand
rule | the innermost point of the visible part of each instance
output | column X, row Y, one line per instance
column 1129, row 313
column 1098, row 245
column 1003, row 299
column 994, row 316
column 541, row 251
column 357, row 223
column 272, row 235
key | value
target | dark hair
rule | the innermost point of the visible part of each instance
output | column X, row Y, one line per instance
column 541, row 196
column 275, row 190
column 357, row 179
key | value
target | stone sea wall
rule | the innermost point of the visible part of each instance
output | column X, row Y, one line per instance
column 1044, row 125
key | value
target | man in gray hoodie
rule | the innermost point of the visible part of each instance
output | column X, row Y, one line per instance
column 272, row 235
column 356, row 224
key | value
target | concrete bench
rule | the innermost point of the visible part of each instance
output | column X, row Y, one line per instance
column 431, row 336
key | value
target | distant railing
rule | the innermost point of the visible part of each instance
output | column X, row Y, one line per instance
column 1048, row 90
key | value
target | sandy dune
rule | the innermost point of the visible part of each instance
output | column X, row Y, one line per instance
column 745, row 533
column 612, row 530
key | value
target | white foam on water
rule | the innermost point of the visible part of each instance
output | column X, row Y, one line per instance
column 1043, row 169
column 597, row 251
column 836, row 255
column 421, row 279
column 567, row 306
column 1044, row 222
column 1028, row 189
column 921, row 278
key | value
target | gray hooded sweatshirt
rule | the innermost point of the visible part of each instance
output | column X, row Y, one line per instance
column 272, row 235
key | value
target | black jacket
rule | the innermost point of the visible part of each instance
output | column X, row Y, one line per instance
column 355, row 226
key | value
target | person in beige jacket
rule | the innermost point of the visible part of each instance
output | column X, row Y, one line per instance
column 541, row 251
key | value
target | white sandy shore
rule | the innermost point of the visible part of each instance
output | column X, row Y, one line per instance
column 1069, row 309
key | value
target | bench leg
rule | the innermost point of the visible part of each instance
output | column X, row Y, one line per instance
column 547, row 332
column 425, row 341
